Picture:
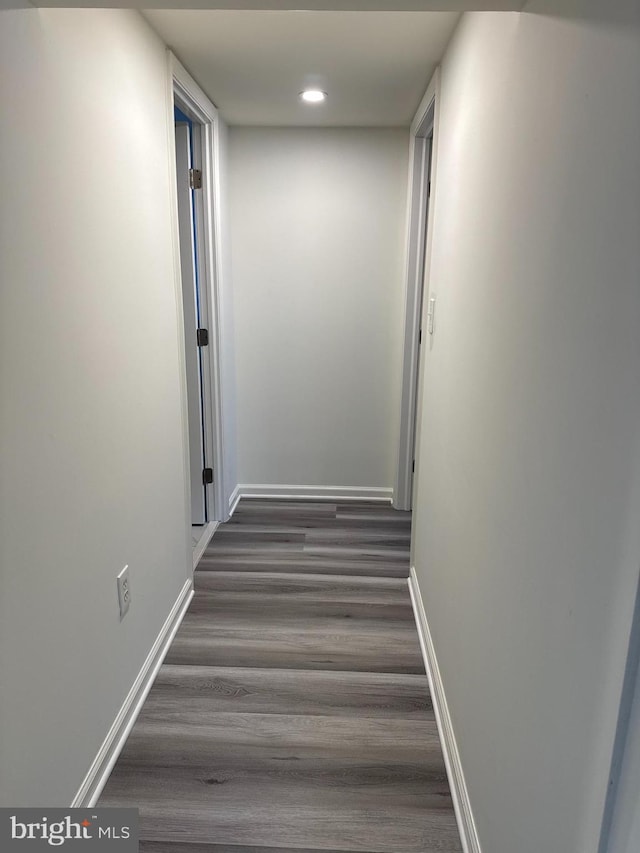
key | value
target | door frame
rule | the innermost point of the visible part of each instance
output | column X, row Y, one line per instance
column 191, row 100
column 418, row 258
column 195, row 312
column 624, row 769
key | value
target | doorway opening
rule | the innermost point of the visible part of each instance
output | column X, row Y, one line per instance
column 420, row 179
column 195, row 319
column 196, row 131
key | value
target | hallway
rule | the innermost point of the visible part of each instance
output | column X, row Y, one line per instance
column 292, row 711
column 422, row 288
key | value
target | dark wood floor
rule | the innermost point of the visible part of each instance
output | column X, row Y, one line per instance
column 292, row 713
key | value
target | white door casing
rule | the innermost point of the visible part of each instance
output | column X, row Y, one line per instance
column 190, row 318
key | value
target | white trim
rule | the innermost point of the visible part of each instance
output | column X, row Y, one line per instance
column 416, row 279
column 457, row 783
column 177, row 277
column 207, row 534
column 433, row 90
column 323, row 493
column 99, row 772
column 204, row 112
column 234, row 500
column 192, row 270
column 619, row 804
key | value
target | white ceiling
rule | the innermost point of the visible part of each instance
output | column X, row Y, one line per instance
column 252, row 57
column 329, row 5
column 375, row 66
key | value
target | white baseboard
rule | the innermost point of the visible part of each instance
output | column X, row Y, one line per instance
column 459, row 792
column 207, row 532
column 234, row 500
column 96, row 778
column 323, row 493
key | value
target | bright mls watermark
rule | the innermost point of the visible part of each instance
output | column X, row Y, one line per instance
column 102, row 830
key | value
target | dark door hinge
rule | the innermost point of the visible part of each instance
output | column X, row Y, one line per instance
column 207, row 476
column 428, row 189
column 420, row 336
column 202, row 337
column 413, row 466
column 195, row 179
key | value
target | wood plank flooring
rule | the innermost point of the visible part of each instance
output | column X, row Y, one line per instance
column 292, row 712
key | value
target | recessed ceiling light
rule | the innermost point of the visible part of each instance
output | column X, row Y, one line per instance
column 313, row 96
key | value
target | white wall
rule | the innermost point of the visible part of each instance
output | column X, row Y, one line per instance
column 91, row 455
column 317, row 218
column 526, row 538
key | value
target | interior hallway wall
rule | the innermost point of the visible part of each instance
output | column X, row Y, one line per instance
column 91, row 443
column 317, row 224
column 527, row 543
